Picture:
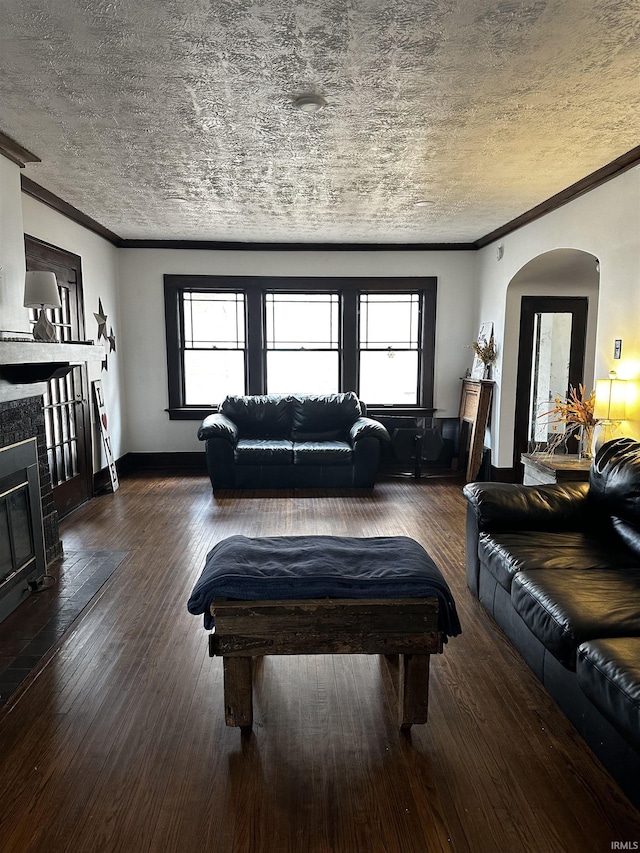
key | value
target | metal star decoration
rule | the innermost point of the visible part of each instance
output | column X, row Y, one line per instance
column 112, row 340
column 101, row 319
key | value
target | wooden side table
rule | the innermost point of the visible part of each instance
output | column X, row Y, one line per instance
column 542, row 469
column 475, row 406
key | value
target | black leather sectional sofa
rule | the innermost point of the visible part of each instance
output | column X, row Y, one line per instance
column 294, row 441
column 558, row 568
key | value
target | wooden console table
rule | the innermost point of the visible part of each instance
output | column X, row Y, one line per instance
column 541, row 469
column 475, row 406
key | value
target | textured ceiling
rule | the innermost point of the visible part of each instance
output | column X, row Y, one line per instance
column 174, row 119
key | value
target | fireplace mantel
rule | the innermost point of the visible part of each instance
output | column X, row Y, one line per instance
column 34, row 357
column 34, row 352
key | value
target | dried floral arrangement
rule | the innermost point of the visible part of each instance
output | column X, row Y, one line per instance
column 576, row 412
column 485, row 350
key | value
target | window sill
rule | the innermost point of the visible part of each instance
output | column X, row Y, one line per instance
column 190, row 414
column 187, row 413
column 400, row 411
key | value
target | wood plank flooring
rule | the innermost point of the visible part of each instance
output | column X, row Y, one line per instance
column 119, row 743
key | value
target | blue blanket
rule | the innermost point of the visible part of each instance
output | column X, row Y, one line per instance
column 300, row 567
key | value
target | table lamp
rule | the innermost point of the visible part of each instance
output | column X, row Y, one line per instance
column 41, row 291
column 610, row 406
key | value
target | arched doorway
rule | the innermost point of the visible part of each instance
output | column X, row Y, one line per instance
column 555, row 299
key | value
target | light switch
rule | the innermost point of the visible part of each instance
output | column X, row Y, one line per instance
column 617, row 348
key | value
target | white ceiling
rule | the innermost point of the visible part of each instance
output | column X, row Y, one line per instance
column 174, row 119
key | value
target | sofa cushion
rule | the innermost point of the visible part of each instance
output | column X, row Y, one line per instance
column 614, row 480
column 321, row 413
column 608, row 671
column 504, row 554
column 264, row 451
column 322, row 435
column 322, row 453
column 259, row 416
column 566, row 608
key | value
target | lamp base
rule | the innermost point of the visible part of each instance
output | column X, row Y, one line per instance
column 44, row 330
column 606, row 433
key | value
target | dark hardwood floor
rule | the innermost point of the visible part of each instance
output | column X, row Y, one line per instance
column 119, row 742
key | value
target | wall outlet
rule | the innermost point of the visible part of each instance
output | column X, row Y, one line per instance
column 617, row 348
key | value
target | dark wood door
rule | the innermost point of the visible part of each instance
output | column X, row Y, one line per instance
column 66, row 401
column 532, row 308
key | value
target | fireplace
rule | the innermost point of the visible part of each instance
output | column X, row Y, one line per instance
column 22, row 384
column 24, row 419
column 22, row 551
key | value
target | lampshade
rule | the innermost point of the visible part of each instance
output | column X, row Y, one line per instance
column 41, row 288
column 611, row 398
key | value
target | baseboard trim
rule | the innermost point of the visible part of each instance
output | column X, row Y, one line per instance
column 102, row 481
column 503, row 475
column 179, row 463
column 192, row 462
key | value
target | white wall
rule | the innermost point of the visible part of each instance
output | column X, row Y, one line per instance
column 13, row 316
column 472, row 288
column 142, row 315
column 100, row 281
column 604, row 222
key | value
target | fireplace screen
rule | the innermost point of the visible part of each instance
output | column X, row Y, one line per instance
column 21, row 536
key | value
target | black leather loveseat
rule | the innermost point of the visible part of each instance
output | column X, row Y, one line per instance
column 558, row 568
column 294, row 441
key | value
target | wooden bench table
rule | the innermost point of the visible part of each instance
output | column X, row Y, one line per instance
column 403, row 627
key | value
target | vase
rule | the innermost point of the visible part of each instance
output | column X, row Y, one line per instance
column 585, row 450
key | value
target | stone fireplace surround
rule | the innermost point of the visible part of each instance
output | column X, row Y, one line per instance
column 19, row 420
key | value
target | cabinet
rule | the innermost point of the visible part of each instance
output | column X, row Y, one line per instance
column 475, row 407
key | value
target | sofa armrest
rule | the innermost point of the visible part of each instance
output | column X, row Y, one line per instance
column 509, row 506
column 218, row 426
column 367, row 428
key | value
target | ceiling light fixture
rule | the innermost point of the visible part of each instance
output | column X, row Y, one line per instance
column 309, row 103
column 425, row 202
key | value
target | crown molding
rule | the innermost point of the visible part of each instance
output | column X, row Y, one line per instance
column 295, row 247
column 595, row 179
column 34, row 190
column 15, row 152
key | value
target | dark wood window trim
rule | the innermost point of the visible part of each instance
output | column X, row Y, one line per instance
column 254, row 288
